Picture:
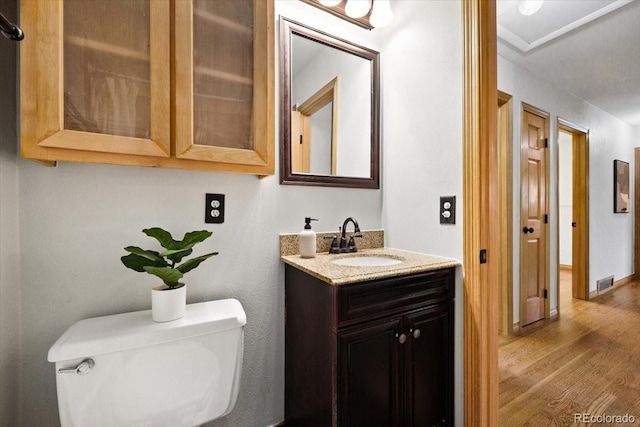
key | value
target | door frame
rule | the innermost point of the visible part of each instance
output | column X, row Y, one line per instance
column 505, row 212
column 325, row 95
column 636, row 213
column 481, row 234
column 580, row 187
column 528, row 108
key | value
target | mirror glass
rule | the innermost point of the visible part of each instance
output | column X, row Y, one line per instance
column 329, row 111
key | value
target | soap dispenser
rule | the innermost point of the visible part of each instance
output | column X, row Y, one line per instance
column 307, row 240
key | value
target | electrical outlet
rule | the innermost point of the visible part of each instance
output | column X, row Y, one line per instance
column 448, row 210
column 214, row 208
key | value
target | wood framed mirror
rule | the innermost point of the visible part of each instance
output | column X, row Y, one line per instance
column 329, row 111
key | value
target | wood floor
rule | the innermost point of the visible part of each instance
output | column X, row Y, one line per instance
column 588, row 361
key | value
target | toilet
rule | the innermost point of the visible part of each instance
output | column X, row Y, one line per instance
column 126, row 370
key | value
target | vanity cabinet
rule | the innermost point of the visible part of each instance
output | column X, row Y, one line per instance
column 178, row 84
column 374, row 353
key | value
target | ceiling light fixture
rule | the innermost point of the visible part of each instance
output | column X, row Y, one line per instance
column 529, row 7
column 357, row 8
column 381, row 15
column 368, row 14
column 330, row 3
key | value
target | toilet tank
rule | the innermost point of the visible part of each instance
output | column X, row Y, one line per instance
column 180, row 373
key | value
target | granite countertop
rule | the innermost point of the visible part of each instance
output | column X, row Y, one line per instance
column 322, row 268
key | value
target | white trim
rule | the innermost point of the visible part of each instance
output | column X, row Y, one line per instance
column 516, row 41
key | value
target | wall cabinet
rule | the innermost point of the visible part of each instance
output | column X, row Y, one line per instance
column 376, row 353
column 179, row 84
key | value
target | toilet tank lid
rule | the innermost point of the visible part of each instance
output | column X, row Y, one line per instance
column 118, row 332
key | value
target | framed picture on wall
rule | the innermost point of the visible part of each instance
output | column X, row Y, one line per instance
column 620, row 186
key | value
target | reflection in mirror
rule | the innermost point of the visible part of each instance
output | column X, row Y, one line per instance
column 329, row 110
column 317, row 118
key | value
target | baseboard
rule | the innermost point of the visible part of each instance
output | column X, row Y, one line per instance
column 606, row 291
column 553, row 313
column 566, row 267
column 616, row 284
column 624, row 280
column 516, row 328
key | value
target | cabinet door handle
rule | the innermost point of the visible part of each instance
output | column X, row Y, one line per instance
column 416, row 334
column 402, row 339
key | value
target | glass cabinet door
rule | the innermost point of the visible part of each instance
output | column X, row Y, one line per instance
column 224, row 79
column 96, row 77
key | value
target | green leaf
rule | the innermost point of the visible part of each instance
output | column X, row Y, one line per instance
column 168, row 242
column 176, row 255
column 150, row 255
column 194, row 262
column 162, row 236
column 170, row 276
column 138, row 263
column 192, row 238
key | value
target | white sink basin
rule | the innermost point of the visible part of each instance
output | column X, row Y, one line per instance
column 366, row 261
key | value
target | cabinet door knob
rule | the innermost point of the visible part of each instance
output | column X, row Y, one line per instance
column 416, row 334
column 402, row 339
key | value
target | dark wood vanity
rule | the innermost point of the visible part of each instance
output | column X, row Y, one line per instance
column 373, row 353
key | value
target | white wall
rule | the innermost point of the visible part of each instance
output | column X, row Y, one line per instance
column 9, row 244
column 76, row 218
column 565, row 197
column 611, row 235
column 422, row 125
column 422, row 133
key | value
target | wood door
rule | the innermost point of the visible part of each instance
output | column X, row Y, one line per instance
column 533, row 197
column 580, row 211
column 428, row 366
column 369, row 374
column 300, row 143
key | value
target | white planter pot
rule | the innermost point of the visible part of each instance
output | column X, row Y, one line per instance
column 168, row 304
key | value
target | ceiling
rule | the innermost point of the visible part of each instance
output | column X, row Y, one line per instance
column 589, row 48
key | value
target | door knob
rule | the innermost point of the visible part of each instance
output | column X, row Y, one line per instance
column 526, row 230
column 574, row 225
column 416, row 334
column 402, row 339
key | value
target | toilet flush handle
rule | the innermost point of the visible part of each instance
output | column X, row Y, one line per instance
column 82, row 369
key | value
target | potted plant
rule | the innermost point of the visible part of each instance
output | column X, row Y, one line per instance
column 168, row 300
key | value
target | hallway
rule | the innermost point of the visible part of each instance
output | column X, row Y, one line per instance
column 588, row 362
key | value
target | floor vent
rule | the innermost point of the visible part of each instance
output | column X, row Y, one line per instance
column 605, row 283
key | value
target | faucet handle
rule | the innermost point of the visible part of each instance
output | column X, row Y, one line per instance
column 334, row 244
column 351, row 246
